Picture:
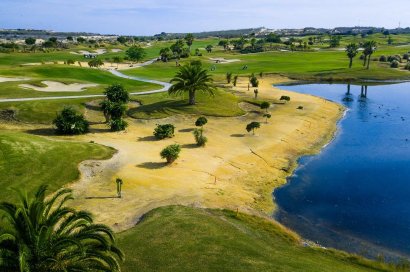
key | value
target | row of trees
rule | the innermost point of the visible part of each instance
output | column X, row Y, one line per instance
column 369, row 48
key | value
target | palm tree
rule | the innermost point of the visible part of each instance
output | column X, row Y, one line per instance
column 191, row 78
column 42, row 234
column 189, row 39
column 369, row 48
column 352, row 50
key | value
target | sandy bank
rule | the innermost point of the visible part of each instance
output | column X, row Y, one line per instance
column 54, row 86
column 235, row 170
column 10, row 79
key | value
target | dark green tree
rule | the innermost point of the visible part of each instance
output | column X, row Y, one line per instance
column 351, row 50
column 252, row 126
column 189, row 39
column 135, row 53
column 69, row 122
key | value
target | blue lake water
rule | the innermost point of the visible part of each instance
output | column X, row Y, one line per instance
column 355, row 195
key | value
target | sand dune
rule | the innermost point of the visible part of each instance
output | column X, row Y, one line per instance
column 54, row 86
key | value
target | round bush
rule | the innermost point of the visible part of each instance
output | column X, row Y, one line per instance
column 171, row 153
column 164, row 131
column 407, row 67
column 382, row 58
column 199, row 137
column 406, row 56
column 201, row 121
column 117, row 124
column 69, row 122
column 394, row 64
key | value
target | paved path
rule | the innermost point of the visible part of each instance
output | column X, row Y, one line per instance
column 165, row 87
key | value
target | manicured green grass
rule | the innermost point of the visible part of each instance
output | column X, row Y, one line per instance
column 43, row 111
column 320, row 65
column 176, row 238
column 26, row 161
column 65, row 74
column 162, row 105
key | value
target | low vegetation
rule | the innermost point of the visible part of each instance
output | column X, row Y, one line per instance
column 164, row 131
column 69, row 122
column 171, row 153
column 221, row 240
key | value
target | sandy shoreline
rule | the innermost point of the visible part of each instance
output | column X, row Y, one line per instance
column 235, row 171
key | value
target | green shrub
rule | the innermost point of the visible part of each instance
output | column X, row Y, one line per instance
column 199, row 137
column 171, row 153
column 201, row 121
column 69, row 122
column 117, row 124
column 164, row 131
column 70, row 61
column 252, row 126
column 394, row 64
column 284, row 98
column 254, row 81
column 116, row 93
column 265, row 105
column 406, row 56
column 382, row 58
column 407, row 67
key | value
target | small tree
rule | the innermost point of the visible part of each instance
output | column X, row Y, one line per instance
column 164, row 131
column 252, row 126
column 119, row 183
column 254, row 81
column 70, row 61
column 135, row 53
column 201, row 121
column 171, row 153
column 189, row 39
column 267, row 116
column 228, row 77
column 265, row 106
column 69, row 122
column 95, row 63
column 117, row 93
column 235, row 80
column 284, row 98
column 117, row 124
column 199, row 137
column 209, row 48
column 30, row 41
column 351, row 50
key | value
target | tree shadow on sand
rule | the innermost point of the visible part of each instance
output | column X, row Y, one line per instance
column 152, row 165
column 190, row 146
column 238, row 135
column 186, row 130
column 101, row 197
column 147, row 139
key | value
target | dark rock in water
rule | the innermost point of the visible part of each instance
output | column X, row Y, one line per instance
column 348, row 99
column 7, row 115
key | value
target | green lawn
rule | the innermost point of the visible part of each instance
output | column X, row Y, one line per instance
column 177, row 238
column 65, row 74
column 161, row 105
column 26, row 161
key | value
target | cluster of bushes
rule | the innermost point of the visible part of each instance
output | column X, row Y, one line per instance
column 171, row 152
column 114, row 107
column 395, row 60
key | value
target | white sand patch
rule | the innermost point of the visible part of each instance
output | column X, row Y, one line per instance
column 116, row 50
column 100, row 51
column 8, row 79
column 74, row 53
column 54, row 86
column 223, row 60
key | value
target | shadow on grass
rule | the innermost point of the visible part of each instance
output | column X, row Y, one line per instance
column 238, row 135
column 42, row 131
column 152, row 165
column 161, row 108
column 99, row 130
column 186, row 130
column 147, row 139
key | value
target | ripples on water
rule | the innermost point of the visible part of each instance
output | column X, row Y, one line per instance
column 355, row 195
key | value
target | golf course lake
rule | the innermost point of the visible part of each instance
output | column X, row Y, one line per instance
column 355, row 194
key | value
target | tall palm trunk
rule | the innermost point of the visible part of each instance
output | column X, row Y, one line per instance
column 368, row 62
column 365, row 59
column 351, row 63
column 191, row 97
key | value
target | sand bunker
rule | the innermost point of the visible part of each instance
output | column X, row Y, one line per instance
column 53, row 86
column 8, row 79
column 116, row 50
column 223, row 60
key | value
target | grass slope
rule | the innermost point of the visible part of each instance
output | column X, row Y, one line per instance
column 177, row 238
column 222, row 104
column 26, row 161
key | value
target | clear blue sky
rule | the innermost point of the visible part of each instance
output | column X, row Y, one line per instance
column 146, row 17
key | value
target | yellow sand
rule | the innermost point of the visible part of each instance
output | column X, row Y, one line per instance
column 236, row 170
column 54, row 86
